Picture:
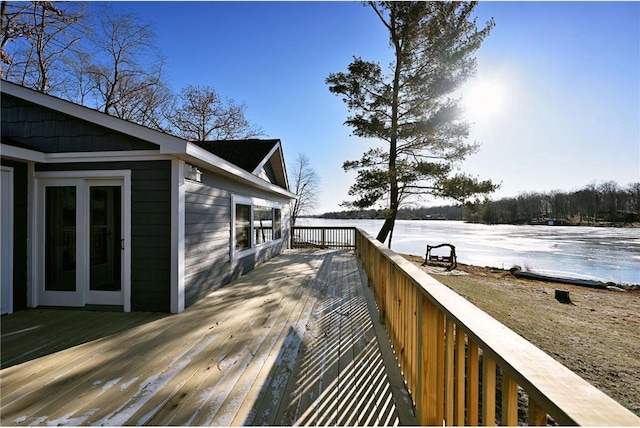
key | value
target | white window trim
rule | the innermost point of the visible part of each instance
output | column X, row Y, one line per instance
column 252, row 202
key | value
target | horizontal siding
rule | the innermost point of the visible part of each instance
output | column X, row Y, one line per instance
column 208, row 262
column 207, row 231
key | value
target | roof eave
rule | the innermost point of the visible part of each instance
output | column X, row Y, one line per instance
column 197, row 155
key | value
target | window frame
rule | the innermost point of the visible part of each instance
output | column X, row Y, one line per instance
column 252, row 202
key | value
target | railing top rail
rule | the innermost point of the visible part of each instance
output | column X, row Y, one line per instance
column 564, row 394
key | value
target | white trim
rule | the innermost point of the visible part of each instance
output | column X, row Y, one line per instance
column 82, row 180
column 13, row 152
column 110, row 156
column 86, row 174
column 266, row 159
column 7, row 238
column 32, row 243
column 177, row 236
column 252, row 202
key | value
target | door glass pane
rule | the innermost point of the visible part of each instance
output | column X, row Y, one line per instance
column 60, row 238
column 105, row 224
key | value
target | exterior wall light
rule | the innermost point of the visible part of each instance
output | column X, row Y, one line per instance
column 192, row 173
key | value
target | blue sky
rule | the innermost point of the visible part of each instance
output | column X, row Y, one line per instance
column 567, row 75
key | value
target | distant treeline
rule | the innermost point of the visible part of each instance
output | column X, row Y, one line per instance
column 601, row 203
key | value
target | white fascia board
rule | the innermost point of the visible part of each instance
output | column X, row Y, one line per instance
column 114, row 156
column 277, row 148
column 168, row 143
column 197, row 155
column 12, row 152
column 9, row 151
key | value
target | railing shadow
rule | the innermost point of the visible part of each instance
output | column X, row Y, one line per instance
column 331, row 372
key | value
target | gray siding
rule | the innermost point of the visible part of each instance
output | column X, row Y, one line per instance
column 150, row 229
column 208, row 263
column 50, row 131
column 20, row 198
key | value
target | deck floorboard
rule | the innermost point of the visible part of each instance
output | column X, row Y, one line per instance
column 290, row 343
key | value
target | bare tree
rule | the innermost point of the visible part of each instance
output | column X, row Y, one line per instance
column 13, row 27
column 200, row 114
column 126, row 77
column 306, row 184
column 43, row 35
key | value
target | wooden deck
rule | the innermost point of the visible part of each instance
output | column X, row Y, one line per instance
column 290, row 343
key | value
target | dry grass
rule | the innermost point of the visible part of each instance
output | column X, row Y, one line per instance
column 596, row 337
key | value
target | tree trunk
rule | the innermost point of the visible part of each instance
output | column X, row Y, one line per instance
column 385, row 230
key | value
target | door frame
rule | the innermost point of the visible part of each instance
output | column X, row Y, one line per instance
column 83, row 180
column 7, row 238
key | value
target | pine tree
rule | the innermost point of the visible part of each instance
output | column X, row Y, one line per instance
column 410, row 108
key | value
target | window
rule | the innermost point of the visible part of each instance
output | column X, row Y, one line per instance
column 263, row 224
column 243, row 227
column 277, row 224
column 256, row 222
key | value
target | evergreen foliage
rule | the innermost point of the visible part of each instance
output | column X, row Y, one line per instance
column 410, row 108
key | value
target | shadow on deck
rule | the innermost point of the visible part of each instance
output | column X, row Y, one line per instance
column 290, row 343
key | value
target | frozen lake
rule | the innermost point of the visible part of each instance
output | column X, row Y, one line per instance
column 605, row 254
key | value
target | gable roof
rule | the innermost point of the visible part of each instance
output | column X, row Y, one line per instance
column 166, row 144
column 247, row 154
column 259, row 157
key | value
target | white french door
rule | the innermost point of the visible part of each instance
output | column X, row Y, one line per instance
column 82, row 231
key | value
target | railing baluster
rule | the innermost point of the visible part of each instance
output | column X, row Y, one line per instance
column 440, row 367
column 427, row 402
column 472, row 383
column 509, row 400
column 536, row 416
column 448, row 373
column 383, row 270
column 488, row 390
column 415, row 332
column 460, row 377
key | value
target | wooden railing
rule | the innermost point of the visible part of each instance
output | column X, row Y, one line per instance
column 323, row 237
column 443, row 342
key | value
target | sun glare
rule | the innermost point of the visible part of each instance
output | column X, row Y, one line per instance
column 484, row 100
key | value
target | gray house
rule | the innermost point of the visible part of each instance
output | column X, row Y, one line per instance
column 98, row 211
